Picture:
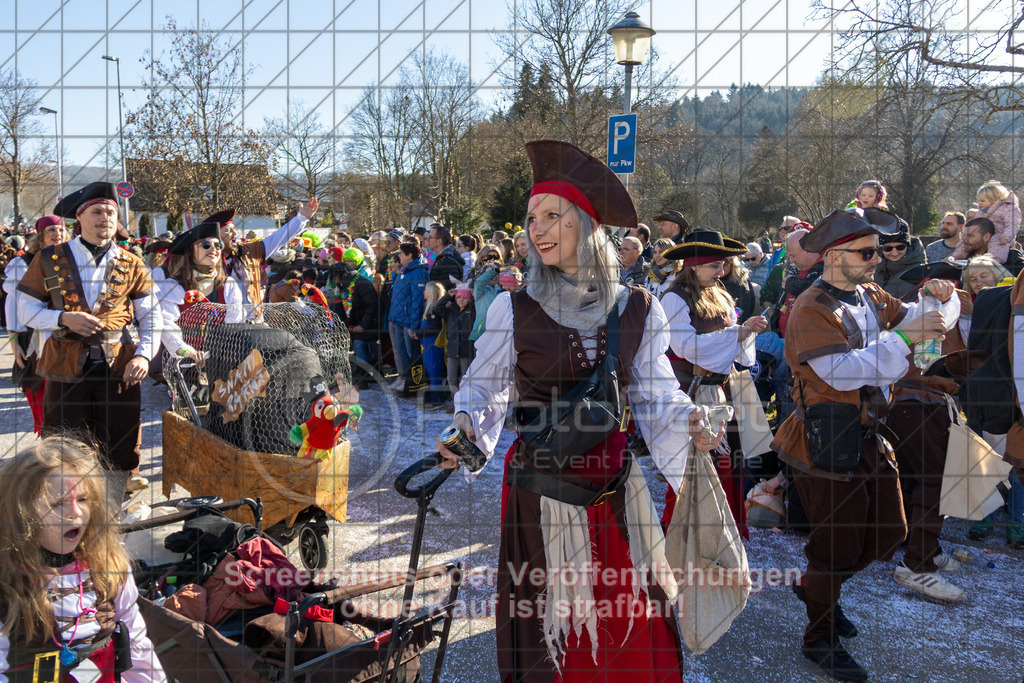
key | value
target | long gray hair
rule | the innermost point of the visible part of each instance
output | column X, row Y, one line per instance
column 597, row 259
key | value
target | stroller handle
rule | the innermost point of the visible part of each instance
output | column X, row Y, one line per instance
column 428, row 463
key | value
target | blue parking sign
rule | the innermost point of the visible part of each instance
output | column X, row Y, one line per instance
column 622, row 143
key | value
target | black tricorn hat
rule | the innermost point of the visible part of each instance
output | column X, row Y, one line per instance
column 674, row 216
column 221, row 217
column 704, row 246
column 844, row 225
column 186, row 239
column 67, row 207
column 940, row 270
column 553, row 160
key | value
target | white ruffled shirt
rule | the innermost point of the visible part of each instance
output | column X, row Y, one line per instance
column 146, row 667
column 660, row 408
column 883, row 358
column 172, row 295
column 714, row 351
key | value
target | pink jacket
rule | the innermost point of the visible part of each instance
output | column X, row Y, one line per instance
column 1005, row 215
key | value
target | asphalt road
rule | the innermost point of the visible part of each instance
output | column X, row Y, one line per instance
column 903, row 636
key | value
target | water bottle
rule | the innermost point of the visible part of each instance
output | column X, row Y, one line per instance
column 967, row 557
column 927, row 352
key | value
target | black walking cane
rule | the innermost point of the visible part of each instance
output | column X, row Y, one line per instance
column 423, row 495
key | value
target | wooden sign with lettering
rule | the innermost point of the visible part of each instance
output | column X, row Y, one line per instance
column 245, row 382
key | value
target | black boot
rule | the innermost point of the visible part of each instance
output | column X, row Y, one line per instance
column 843, row 626
column 833, row 658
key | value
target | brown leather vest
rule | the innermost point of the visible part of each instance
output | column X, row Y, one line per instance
column 684, row 368
column 63, row 357
column 21, row 656
column 551, row 358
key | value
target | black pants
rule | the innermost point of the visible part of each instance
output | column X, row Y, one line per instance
column 101, row 405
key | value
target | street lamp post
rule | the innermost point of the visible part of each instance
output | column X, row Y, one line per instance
column 120, row 121
column 631, row 38
column 56, row 149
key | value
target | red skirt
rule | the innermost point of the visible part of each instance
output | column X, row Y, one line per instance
column 651, row 652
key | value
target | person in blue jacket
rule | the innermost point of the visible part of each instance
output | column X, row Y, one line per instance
column 406, row 310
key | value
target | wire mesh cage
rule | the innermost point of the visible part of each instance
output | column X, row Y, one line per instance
column 258, row 379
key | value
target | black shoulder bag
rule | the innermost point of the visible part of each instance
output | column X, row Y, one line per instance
column 583, row 417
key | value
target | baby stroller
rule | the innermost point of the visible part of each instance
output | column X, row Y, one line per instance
column 318, row 636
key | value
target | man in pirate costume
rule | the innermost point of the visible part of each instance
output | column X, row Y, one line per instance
column 243, row 261
column 594, row 517
column 847, row 343
column 705, row 341
column 88, row 293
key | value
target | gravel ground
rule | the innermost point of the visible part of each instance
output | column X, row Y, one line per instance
column 903, row 636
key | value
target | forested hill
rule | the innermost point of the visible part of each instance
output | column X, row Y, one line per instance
column 739, row 111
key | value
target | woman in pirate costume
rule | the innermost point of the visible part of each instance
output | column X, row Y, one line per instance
column 27, row 344
column 67, row 598
column 594, row 518
column 195, row 274
column 705, row 342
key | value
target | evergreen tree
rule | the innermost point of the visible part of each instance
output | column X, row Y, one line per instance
column 513, row 194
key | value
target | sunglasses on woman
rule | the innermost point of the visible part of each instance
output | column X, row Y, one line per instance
column 490, row 258
column 894, row 247
column 210, row 244
column 867, row 253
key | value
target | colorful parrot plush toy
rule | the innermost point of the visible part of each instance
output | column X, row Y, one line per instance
column 318, row 436
column 195, row 296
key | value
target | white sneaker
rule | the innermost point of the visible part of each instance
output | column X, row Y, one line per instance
column 930, row 584
column 946, row 563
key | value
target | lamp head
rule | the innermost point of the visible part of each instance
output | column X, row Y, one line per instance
column 631, row 37
column 47, row 110
column 110, row 59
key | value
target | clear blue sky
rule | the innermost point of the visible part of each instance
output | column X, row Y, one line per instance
column 327, row 51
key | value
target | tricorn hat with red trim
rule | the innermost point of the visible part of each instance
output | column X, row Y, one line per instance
column 566, row 170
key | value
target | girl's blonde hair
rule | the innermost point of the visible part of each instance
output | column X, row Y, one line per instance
column 23, row 572
column 708, row 302
column 880, row 192
column 992, row 191
column 434, row 290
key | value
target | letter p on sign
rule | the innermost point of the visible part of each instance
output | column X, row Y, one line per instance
column 622, row 143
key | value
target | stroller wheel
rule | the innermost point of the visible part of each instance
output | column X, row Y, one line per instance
column 313, row 546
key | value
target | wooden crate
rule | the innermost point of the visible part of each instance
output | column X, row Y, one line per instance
column 206, row 465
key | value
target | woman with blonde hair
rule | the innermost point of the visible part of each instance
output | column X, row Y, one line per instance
column 65, row 577
column 539, row 343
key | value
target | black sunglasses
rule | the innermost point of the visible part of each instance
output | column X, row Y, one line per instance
column 894, row 247
column 867, row 253
column 210, row 244
column 751, row 260
column 490, row 258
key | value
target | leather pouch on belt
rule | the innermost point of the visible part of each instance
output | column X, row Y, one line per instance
column 834, row 436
